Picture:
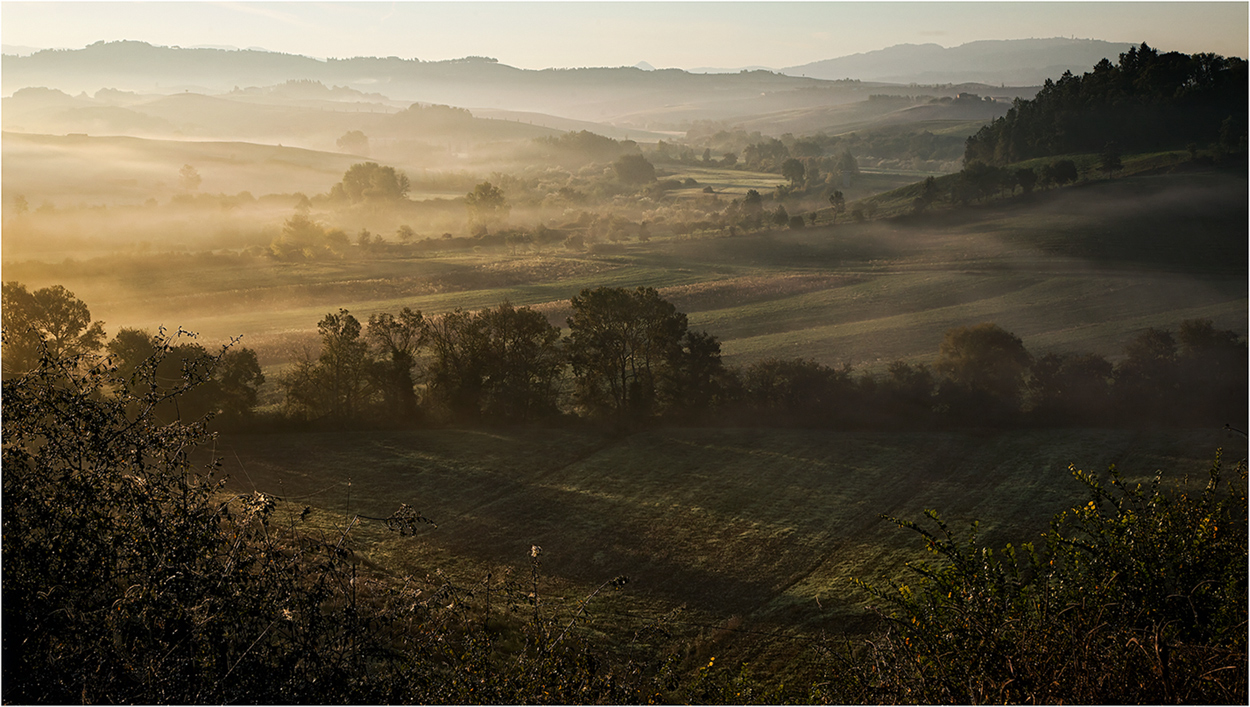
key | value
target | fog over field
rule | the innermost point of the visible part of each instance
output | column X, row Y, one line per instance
column 625, row 352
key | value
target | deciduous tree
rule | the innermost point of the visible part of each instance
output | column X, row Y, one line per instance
column 634, row 169
column 334, row 385
column 487, row 205
column 354, row 141
column 837, row 203
column 987, row 361
column 189, row 178
column 793, row 170
column 50, row 318
column 620, row 343
column 369, row 181
column 1109, row 161
column 397, row 340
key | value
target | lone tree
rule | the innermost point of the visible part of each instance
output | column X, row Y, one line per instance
column 487, row 205
column 634, row 169
column 985, row 360
column 793, row 170
column 189, row 178
column 1110, row 160
column 354, row 141
column 51, row 318
column 838, row 203
column 369, row 181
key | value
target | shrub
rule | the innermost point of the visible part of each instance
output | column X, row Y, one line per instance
column 129, row 575
column 1139, row 596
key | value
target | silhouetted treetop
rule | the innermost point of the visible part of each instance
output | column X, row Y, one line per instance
column 1147, row 101
column 51, row 318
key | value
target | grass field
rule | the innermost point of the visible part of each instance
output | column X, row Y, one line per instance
column 1080, row 269
column 755, row 529
column 764, row 525
column 67, row 169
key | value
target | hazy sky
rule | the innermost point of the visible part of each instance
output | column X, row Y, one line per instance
column 570, row 34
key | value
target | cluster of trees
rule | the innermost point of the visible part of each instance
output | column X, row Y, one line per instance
column 582, row 147
column 432, row 117
column 371, row 182
column 984, row 375
column 886, row 146
column 981, row 180
column 803, row 168
column 51, row 324
column 1148, row 101
column 495, row 364
column 303, row 238
column 631, row 353
column 630, row 356
column 487, row 206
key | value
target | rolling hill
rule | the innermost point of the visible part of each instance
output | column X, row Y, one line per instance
column 628, row 97
column 1014, row 62
column 269, row 118
column 1080, row 269
column 768, row 526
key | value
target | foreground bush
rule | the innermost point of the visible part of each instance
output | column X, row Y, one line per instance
column 129, row 576
column 1137, row 597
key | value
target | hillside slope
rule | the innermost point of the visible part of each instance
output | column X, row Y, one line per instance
column 768, row 525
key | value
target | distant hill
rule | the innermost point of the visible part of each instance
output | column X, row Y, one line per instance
column 589, row 94
column 639, row 102
column 304, row 115
column 1014, row 62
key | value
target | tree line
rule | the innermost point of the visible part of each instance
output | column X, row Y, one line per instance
column 1147, row 101
column 630, row 357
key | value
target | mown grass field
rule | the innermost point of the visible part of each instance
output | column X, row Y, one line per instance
column 768, row 526
column 1080, row 269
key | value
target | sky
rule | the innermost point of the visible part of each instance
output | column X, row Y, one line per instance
column 688, row 35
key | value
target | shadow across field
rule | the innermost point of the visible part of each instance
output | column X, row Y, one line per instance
column 1187, row 222
column 769, row 525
